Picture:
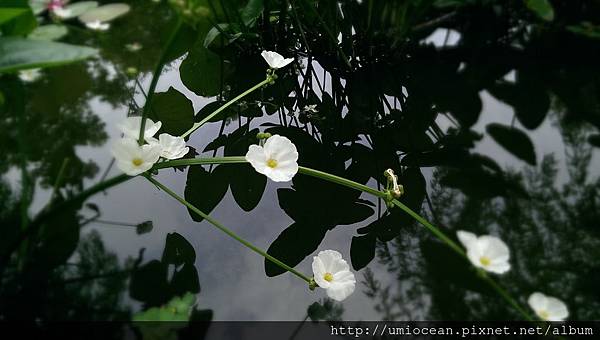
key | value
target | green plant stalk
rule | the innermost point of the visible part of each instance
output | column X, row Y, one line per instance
column 196, row 126
column 59, row 178
column 502, row 292
column 155, row 76
column 227, row 231
column 357, row 186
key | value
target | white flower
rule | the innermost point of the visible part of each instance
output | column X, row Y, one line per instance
column 134, row 159
column 277, row 159
column 171, row 147
column 487, row 252
column 97, row 25
column 61, row 12
column 30, row 75
column 275, row 60
column 333, row 274
column 311, row 108
column 133, row 47
column 548, row 308
column 131, row 127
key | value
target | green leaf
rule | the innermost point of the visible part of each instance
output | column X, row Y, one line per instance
column 527, row 96
column 178, row 251
column 16, row 18
column 38, row 6
column 514, row 141
column 80, row 8
column 205, row 189
column 10, row 9
column 214, row 33
column 7, row 14
column 174, row 110
column 251, row 12
column 543, row 8
column 104, row 13
column 49, row 32
column 362, row 251
column 587, row 29
column 18, row 54
column 201, row 72
column 247, row 185
column 293, row 245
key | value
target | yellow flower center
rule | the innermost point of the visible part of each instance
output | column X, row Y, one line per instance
column 271, row 163
column 328, row 277
column 485, row 261
column 137, row 161
column 544, row 314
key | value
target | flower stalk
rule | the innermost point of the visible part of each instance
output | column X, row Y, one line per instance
column 361, row 187
column 228, row 231
column 268, row 80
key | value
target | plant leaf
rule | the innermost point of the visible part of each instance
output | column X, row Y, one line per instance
column 104, row 13
column 543, row 8
column 514, row 141
column 174, row 110
column 18, row 54
column 49, row 32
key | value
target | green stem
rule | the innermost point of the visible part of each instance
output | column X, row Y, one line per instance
column 155, row 76
column 59, row 178
column 357, row 186
column 226, row 105
column 502, row 292
column 199, row 161
column 436, row 231
column 227, row 231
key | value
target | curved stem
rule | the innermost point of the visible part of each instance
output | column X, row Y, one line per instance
column 199, row 161
column 227, row 231
column 226, row 105
column 361, row 187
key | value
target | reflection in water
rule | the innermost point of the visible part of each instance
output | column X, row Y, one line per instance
column 365, row 94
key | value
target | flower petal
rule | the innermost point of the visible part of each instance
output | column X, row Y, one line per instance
column 257, row 158
column 466, row 238
column 340, row 291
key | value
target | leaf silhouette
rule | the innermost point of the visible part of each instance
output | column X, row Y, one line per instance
column 514, row 141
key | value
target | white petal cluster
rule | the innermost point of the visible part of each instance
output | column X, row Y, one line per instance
column 171, row 147
column 134, row 159
column 277, row 159
column 275, row 60
column 30, row 75
column 61, row 12
column 548, row 308
column 332, row 273
column 97, row 25
column 486, row 252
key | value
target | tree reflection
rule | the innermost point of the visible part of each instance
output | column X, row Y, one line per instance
column 551, row 235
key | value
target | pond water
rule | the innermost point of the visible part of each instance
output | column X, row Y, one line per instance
column 493, row 130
